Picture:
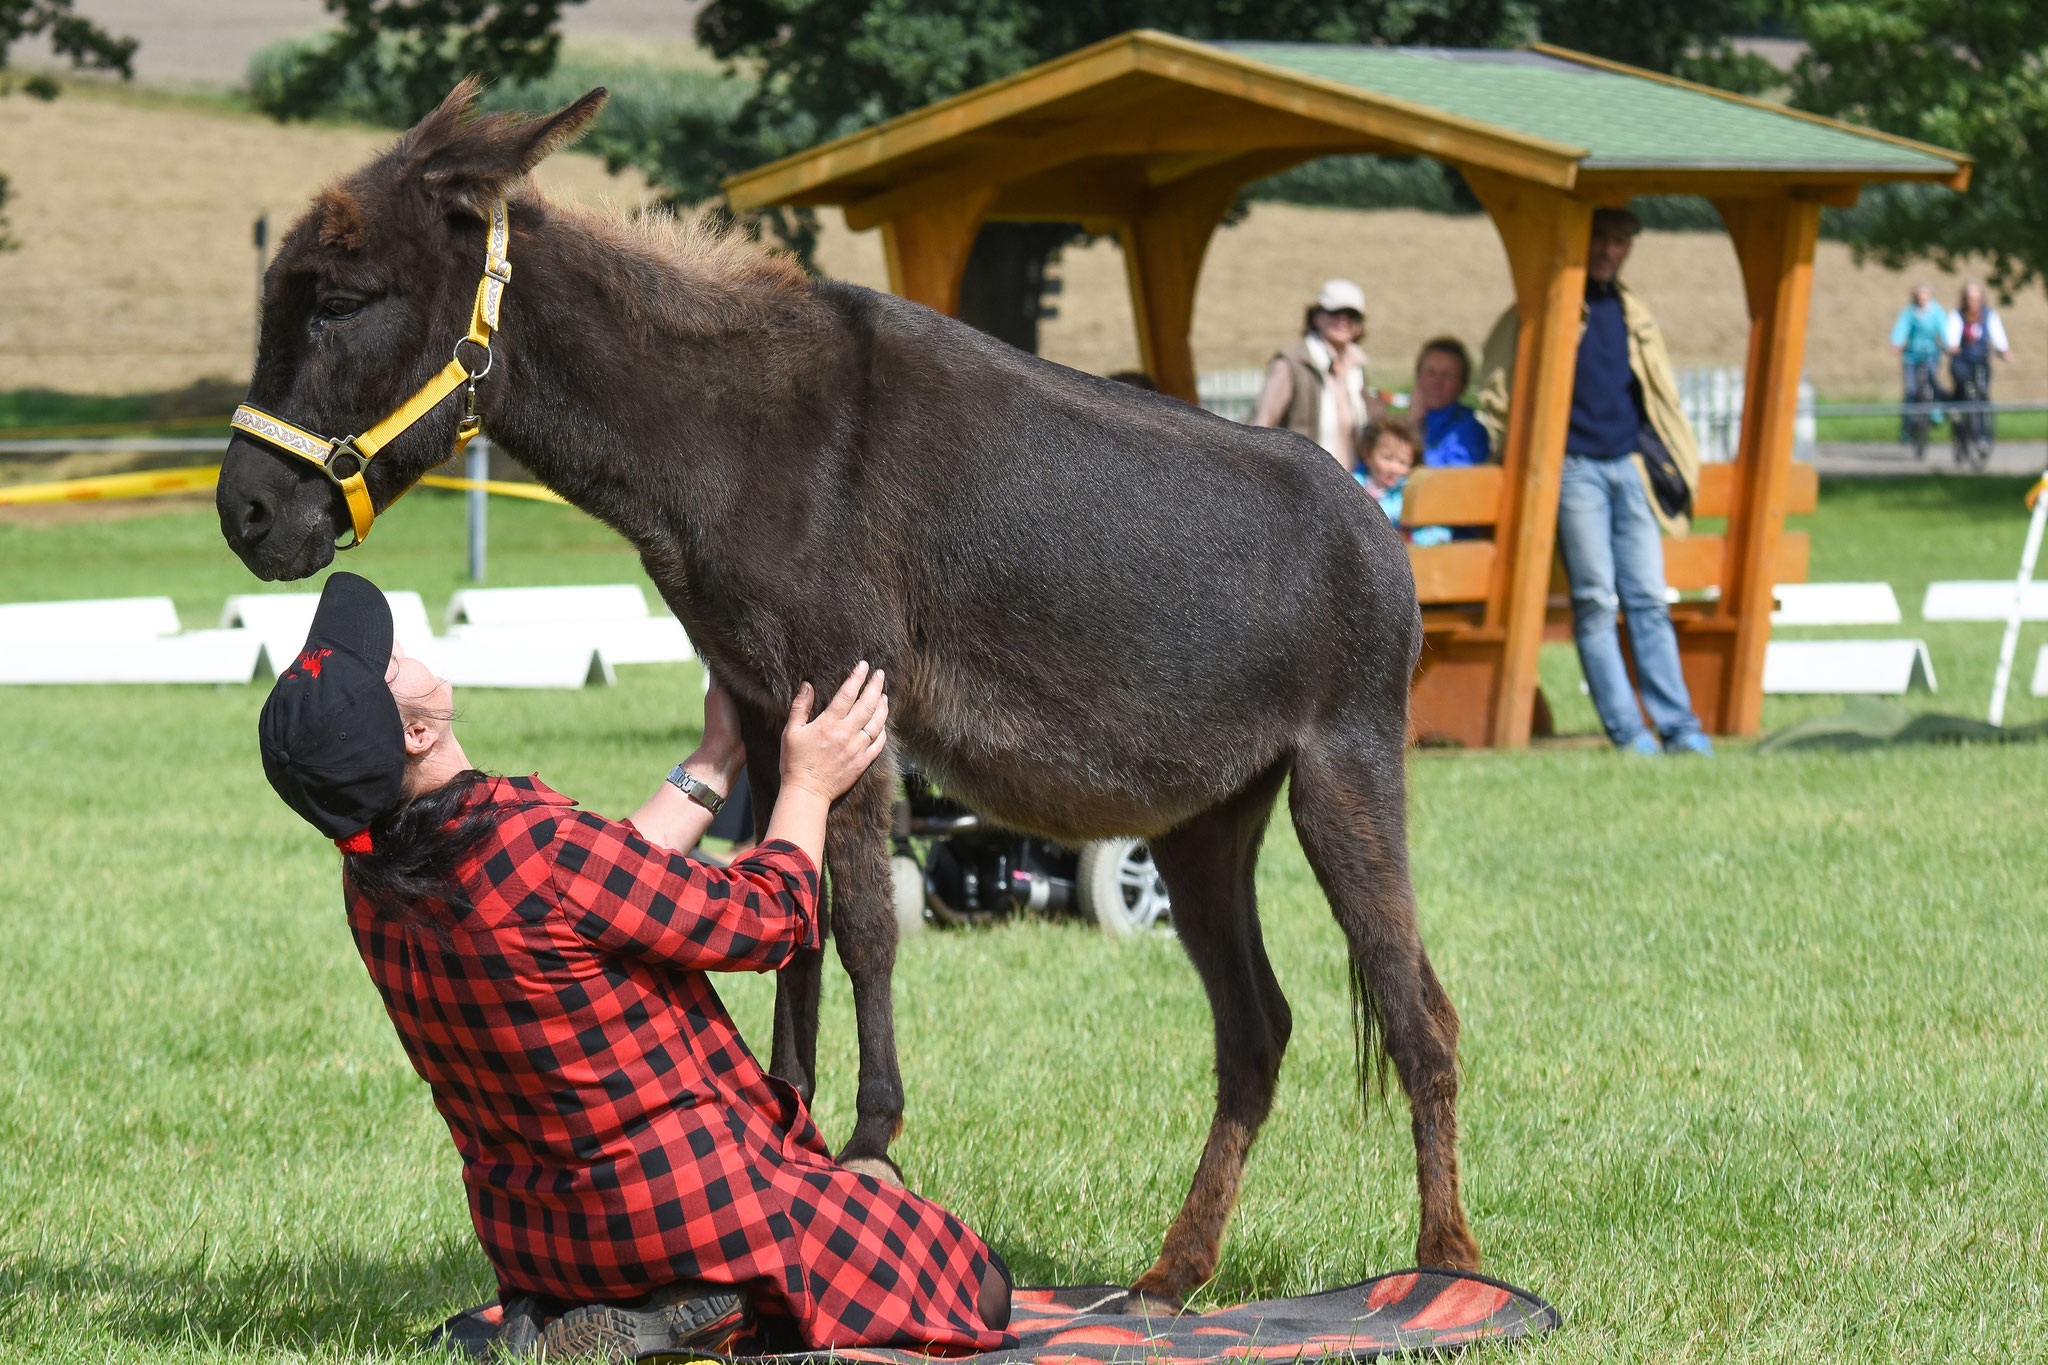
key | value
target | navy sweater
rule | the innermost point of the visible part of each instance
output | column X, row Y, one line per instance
column 1607, row 407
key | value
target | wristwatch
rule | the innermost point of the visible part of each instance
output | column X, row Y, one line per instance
column 696, row 789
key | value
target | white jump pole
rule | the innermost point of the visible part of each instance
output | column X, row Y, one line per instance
column 478, row 457
column 2010, row 644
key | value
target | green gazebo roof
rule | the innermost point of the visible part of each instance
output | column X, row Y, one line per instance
column 1616, row 120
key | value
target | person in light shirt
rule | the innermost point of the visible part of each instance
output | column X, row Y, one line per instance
column 1317, row 385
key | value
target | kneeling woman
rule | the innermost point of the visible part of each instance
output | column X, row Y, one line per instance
column 637, row 1181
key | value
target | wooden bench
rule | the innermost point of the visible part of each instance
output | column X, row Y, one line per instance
column 1454, row 582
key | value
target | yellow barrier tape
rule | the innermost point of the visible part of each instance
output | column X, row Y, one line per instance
column 533, row 492
column 150, row 483
column 153, row 483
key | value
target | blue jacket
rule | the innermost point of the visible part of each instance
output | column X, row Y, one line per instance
column 1920, row 331
column 1453, row 436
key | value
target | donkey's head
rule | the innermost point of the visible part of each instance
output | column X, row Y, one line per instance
column 369, row 294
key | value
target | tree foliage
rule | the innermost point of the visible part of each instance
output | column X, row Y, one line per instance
column 72, row 36
column 1972, row 77
column 410, row 53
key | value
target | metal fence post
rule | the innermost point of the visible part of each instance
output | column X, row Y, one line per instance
column 479, row 469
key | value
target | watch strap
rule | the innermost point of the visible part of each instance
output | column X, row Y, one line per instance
column 696, row 789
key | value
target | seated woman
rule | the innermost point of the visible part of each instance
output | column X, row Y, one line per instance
column 636, row 1180
column 1451, row 432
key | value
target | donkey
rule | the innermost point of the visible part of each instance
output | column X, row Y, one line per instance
column 1102, row 612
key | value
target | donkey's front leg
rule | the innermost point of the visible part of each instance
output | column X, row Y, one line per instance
column 793, row 1054
column 864, row 922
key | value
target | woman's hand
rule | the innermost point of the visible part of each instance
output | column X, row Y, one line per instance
column 823, row 757
column 827, row 755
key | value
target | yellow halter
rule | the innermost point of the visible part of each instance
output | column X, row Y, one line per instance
column 345, row 460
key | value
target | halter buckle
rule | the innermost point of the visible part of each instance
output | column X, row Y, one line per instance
column 344, row 449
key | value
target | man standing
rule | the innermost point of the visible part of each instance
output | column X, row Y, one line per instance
column 1631, row 468
column 1919, row 340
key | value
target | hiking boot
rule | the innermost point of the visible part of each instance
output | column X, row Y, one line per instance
column 684, row 1319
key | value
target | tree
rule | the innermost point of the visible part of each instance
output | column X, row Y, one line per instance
column 410, row 53
column 85, row 43
column 825, row 68
column 1972, row 77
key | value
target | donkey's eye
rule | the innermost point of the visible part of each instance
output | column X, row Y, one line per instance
column 339, row 306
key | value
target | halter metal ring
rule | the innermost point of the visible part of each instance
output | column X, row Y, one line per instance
column 490, row 359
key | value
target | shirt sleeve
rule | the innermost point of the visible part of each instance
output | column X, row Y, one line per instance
column 1899, row 327
column 1994, row 328
column 1952, row 330
column 631, row 898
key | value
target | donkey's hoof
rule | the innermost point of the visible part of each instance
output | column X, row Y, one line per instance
column 1146, row 1303
column 1452, row 1248
column 880, row 1167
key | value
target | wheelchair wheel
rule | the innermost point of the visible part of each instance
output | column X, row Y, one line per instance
column 1118, row 886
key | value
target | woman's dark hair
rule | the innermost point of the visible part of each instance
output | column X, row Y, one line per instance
column 1453, row 348
column 416, row 847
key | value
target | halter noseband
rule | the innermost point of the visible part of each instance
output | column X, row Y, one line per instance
column 346, row 459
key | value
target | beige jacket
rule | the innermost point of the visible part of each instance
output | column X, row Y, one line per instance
column 1652, row 366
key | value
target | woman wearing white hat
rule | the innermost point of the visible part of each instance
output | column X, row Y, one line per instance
column 1317, row 386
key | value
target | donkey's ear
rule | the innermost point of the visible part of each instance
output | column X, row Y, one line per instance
column 469, row 162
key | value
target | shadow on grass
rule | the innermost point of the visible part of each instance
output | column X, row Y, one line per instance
column 278, row 1305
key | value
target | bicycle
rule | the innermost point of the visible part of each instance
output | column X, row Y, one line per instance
column 1919, row 414
column 1972, row 428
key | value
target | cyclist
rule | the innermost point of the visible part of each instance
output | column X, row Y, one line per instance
column 1974, row 332
column 1917, row 338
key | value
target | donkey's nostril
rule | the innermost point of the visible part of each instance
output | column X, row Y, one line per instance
column 255, row 521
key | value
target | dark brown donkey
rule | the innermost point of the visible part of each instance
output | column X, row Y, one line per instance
column 1102, row 612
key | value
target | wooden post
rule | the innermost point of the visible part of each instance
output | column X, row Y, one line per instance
column 1164, row 243
column 1774, row 240
column 927, row 248
column 1546, row 233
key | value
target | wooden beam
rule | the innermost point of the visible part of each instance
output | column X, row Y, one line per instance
column 1460, row 571
column 1774, row 242
column 1163, row 248
column 1467, row 496
column 927, row 250
column 1075, row 84
column 1717, row 490
column 1546, row 234
column 1216, row 130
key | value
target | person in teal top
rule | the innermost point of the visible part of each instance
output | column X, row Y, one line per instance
column 1919, row 336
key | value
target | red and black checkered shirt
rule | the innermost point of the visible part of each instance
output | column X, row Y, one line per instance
column 615, row 1132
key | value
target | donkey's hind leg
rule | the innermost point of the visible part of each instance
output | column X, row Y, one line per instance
column 1349, row 804
column 864, row 922
column 1208, row 864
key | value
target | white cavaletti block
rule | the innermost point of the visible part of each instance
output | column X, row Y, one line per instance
column 283, row 618
column 515, row 659
column 526, row 606
column 1836, row 604
column 87, row 621
column 200, row 656
column 1986, row 600
column 2040, row 688
column 1840, row 667
column 649, row 640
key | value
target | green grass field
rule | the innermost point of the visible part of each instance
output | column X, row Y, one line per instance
column 1752, row 1054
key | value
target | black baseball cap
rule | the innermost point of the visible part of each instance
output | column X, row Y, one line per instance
column 333, row 744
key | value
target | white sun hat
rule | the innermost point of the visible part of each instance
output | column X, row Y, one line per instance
column 1339, row 295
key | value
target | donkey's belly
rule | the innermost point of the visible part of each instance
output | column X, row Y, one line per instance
column 1039, row 763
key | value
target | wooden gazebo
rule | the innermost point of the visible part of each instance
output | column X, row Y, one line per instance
column 1151, row 137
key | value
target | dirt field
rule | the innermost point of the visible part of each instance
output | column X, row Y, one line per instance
column 137, row 271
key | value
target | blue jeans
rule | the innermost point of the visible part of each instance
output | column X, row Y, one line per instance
column 1921, row 382
column 1614, row 557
